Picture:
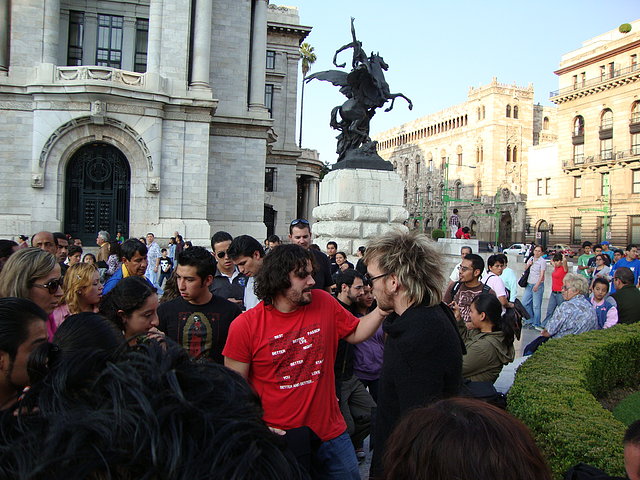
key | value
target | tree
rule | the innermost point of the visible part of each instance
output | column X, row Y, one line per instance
column 308, row 59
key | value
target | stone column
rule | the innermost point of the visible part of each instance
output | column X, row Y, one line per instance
column 90, row 46
column 155, row 36
column 128, row 44
column 258, row 53
column 201, row 45
column 306, row 203
column 5, row 14
column 51, row 31
column 313, row 194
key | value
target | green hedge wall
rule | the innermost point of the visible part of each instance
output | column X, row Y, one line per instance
column 555, row 392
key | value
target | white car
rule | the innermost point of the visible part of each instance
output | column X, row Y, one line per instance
column 516, row 249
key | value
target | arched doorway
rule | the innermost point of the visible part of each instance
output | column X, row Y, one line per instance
column 506, row 225
column 97, row 180
column 542, row 235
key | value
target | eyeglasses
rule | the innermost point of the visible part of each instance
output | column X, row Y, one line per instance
column 222, row 254
column 464, row 269
column 299, row 221
column 565, row 288
column 369, row 280
column 52, row 285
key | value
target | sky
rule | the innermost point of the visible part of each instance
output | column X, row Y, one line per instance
column 437, row 50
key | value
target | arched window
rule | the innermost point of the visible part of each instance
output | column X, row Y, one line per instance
column 483, row 112
column 429, row 194
column 514, row 156
column 479, row 189
column 430, row 161
column 545, row 123
column 578, row 126
column 479, row 117
column 635, row 120
column 508, row 153
column 635, row 112
column 515, row 111
column 459, row 154
column 458, row 190
column 606, row 119
column 508, row 111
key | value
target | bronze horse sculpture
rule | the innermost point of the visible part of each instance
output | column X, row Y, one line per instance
column 366, row 90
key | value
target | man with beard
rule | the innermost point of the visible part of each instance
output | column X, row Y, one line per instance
column 286, row 348
column 356, row 403
column 422, row 359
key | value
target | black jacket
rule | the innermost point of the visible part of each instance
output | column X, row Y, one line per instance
column 422, row 363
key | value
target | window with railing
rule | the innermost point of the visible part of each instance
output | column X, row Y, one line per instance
column 635, row 112
column 76, row 37
column 142, row 42
column 635, row 143
column 109, row 51
column 578, row 153
column 606, row 149
column 606, row 119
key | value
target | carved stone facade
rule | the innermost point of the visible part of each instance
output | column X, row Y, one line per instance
column 182, row 101
column 473, row 157
column 589, row 187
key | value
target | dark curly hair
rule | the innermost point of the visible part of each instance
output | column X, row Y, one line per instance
column 273, row 277
column 128, row 295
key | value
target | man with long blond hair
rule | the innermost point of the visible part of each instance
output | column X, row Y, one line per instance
column 422, row 359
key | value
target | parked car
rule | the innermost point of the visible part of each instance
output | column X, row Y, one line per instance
column 516, row 249
column 561, row 248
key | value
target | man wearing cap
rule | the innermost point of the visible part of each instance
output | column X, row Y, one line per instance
column 605, row 249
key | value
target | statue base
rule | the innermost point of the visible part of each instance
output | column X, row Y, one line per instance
column 358, row 205
column 365, row 157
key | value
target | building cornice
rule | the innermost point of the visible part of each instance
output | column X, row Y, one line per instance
column 598, row 58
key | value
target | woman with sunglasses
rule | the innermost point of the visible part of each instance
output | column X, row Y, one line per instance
column 603, row 268
column 82, row 292
column 33, row 274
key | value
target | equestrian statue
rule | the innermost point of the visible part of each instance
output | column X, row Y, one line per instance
column 366, row 90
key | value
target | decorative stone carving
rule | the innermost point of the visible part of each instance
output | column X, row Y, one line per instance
column 100, row 73
column 98, row 108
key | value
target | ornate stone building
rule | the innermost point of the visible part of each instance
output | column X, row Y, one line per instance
column 473, row 157
column 150, row 115
column 592, row 189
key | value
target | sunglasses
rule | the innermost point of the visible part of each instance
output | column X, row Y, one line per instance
column 299, row 221
column 221, row 254
column 369, row 280
column 52, row 285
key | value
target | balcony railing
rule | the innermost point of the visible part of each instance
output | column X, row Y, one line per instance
column 604, row 158
column 106, row 74
column 595, row 81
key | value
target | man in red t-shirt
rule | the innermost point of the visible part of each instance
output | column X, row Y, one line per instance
column 286, row 348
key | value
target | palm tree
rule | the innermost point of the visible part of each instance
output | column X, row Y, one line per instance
column 308, row 58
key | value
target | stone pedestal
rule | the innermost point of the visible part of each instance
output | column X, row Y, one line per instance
column 357, row 205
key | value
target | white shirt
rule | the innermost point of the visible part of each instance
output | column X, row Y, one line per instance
column 455, row 274
column 250, row 299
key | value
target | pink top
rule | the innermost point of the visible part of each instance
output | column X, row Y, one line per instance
column 56, row 317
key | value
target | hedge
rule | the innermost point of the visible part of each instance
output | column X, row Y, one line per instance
column 555, row 394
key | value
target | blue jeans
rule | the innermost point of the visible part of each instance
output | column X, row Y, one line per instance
column 554, row 302
column 337, row 459
column 532, row 301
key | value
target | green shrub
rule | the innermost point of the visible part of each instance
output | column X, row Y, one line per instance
column 437, row 233
column 555, row 392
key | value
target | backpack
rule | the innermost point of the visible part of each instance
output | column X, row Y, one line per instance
column 485, row 289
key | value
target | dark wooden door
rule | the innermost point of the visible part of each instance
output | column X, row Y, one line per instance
column 97, row 182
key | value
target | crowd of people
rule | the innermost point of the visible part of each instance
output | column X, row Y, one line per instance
column 271, row 360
